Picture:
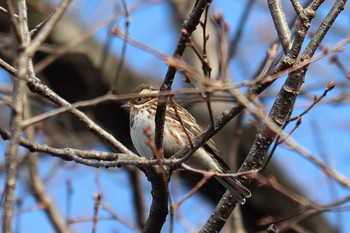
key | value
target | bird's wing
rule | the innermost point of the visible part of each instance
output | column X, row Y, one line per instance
column 193, row 129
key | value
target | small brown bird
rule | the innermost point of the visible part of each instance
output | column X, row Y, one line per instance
column 206, row 158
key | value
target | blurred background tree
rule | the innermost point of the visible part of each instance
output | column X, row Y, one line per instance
column 84, row 57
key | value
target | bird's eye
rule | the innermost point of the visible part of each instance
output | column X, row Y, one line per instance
column 139, row 99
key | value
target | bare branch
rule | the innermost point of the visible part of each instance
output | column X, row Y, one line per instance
column 47, row 28
column 279, row 114
column 159, row 206
column 189, row 26
column 51, row 58
column 7, row 67
column 97, row 205
column 324, row 27
column 42, row 197
column 113, row 88
column 14, row 19
column 17, row 116
column 281, row 25
column 37, row 184
column 119, row 218
column 43, row 90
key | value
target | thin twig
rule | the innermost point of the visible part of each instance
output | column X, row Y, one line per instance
column 115, row 216
column 47, row 28
column 189, row 26
column 7, row 67
column 61, row 51
column 40, row 88
column 97, row 204
column 113, row 88
column 14, row 20
column 37, row 184
column 194, row 190
column 6, row 11
column 330, row 86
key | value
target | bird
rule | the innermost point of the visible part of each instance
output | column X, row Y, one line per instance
column 179, row 128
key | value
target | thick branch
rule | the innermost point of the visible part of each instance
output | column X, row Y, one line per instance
column 90, row 158
column 159, row 206
column 324, row 27
column 279, row 113
column 281, row 25
column 285, row 99
column 188, row 27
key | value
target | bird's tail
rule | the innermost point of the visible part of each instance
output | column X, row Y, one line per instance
column 238, row 191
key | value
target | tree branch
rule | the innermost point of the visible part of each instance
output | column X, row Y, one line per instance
column 36, row 86
column 281, row 25
column 279, row 114
column 188, row 27
column 17, row 116
column 37, row 184
column 159, row 208
column 47, row 28
column 160, row 195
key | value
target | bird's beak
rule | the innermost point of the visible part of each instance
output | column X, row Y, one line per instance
column 127, row 106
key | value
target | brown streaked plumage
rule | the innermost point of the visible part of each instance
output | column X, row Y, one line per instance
column 206, row 158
